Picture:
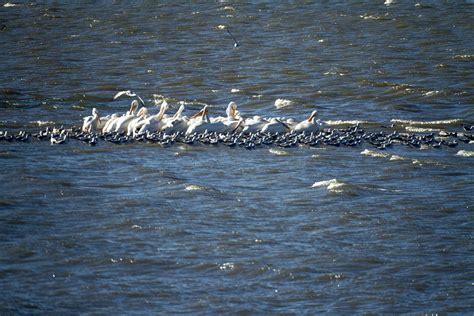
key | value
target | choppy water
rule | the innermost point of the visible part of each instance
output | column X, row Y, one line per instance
column 201, row 229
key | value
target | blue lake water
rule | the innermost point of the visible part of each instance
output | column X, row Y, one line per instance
column 145, row 229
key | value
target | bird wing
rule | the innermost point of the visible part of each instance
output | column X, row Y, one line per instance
column 120, row 93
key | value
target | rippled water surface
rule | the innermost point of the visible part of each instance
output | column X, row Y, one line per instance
column 141, row 228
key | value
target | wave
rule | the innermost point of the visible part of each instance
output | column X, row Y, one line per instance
column 332, row 185
column 345, row 122
column 42, row 123
column 278, row 152
column 372, row 153
column 427, row 123
column 414, row 129
column 282, row 103
column 194, row 187
column 378, row 154
column 465, row 153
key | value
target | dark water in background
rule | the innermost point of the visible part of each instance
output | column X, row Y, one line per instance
column 196, row 229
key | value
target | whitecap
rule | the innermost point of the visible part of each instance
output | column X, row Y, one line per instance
column 281, row 103
column 464, row 57
column 194, row 187
column 421, row 129
column 42, row 123
column 439, row 122
column 347, row 122
column 234, row 90
column 431, row 93
column 372, row 153
column 332, row 185
column 396, row 157
column 278, row 152
column 227, row 266
column 10, row 5
column 465, row 153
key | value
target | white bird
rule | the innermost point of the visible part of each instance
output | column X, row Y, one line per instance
column 91, row 123
column 231, row 111
column 310, row 125
column 275, row 126
column 177, row 123
column 154, row 123
column 201, row 123
column 121, row 124
column 137, row 122
column 233, row 121
column 109, row 122
column 116, row 117
column 254, row 124
column 128, row 93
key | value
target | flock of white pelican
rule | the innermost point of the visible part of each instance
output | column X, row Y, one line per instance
column 138, row 124
column 135, row 121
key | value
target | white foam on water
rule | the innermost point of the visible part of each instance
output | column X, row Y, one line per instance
column 421, row 129
column 9, row 5
column 422, row 123
column 347, row 122
column 416, row 162
column 194, row 187
column 221, row 27
column 465, row 153
column 278, row 152
column 372, row 153
column 234, row 90
column 227, row 266
column 281, row 103
column 464, row 57
column 431, row 93
column 42, row 123
column 396, row 157
column 332, row 185
column 376, row 154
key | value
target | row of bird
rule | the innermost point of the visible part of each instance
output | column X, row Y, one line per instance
column 137, row 122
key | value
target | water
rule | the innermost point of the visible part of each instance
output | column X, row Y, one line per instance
column 141, row 228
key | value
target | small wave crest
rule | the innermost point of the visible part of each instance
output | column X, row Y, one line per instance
column 41, row 123
column 282, row 103
column 332, row 185
column 415, row 129
column 377, row 154
column 278, row 152
column 194, row 187
column 427, row 123
column 347, row 122
column 372, row 153
column 465, row 153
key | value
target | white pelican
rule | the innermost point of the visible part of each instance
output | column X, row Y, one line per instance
column 275, row 126
column 309, row 125
column 176, row 123
column 154, row 123
column 128, row 93
column 121, row 124
column 110, row 121
column 233, row 121
column 232, row 114
column 91, row 123
column 254, row 124
column 136, row 122
column 114, row 119
column 202, row 123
